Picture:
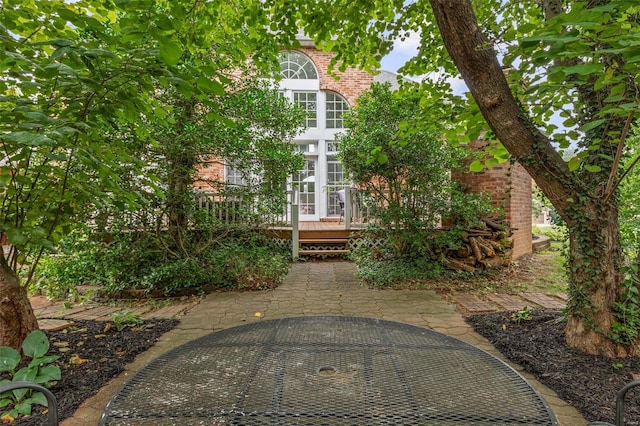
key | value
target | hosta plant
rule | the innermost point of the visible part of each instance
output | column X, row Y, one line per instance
column 39, row 370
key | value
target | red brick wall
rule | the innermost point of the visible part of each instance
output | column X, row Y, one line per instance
column 519, row 210
column 210, row 171
column 352, row 81
column 509, row 186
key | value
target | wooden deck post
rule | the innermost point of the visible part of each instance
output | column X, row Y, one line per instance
column 347, row 208
column 295, row 224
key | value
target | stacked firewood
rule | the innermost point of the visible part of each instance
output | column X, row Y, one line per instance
column 486, row 248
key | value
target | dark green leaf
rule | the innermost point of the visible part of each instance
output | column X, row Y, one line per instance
column 28, row 138
column 170, row 52
column 36, row 344
column 40, row 399
column 592, row 125
column 9, row 358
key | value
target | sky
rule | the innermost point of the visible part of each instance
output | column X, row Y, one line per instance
column 405, row 50
column 402, row 51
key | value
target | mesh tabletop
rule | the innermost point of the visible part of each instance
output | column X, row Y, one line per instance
column 327, row 370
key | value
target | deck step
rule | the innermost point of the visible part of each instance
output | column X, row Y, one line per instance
column 321, row 252
column 324, row 241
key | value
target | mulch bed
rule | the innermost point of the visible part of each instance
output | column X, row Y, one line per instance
column 91, row 354
column 589, row 383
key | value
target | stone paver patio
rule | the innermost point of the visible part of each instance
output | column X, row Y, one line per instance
column 314, row 288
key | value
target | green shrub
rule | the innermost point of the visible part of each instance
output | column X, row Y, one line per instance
column 403, row 170
column 380, row 268
column 174, row 275
column 257, row 269
column 557, row 233
column 73, row 264
column 235, row 257
column 39, row 370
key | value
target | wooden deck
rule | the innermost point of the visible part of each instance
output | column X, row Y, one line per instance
column 319, row 230
column 320, row 239
column 324, row 226
column 330, row 225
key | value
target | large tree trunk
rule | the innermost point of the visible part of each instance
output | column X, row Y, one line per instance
column 592, row 220
column 181, row 154
column 595, row 277
column 178, row 197
column 17, row 319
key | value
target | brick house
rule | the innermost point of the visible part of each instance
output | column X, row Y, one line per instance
column 307, row 83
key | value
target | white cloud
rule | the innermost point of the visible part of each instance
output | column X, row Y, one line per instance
column 403, row 50
column 408, row 46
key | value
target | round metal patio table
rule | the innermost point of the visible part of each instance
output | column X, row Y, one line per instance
column 327, row 370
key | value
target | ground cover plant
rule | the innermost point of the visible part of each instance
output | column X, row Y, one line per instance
column 38, row 369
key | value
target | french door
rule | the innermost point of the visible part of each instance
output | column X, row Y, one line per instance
column 305, row 180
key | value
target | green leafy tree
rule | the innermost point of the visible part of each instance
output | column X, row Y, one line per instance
column 405, row 173
column 75, row 72
column 629, row 205
column 251, row 131
column 523, row 62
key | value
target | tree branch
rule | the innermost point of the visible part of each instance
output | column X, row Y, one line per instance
column 477, row 62
column 616, row 162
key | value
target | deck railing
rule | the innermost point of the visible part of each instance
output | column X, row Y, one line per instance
column 235, row 208
column 230, row 207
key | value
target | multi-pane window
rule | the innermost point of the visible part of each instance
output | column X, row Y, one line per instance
column 308, row 102
column 335, row 176
column 305, row 180
column 336, row 106
column 233, row 176
column 308, row 148
column 295, row 65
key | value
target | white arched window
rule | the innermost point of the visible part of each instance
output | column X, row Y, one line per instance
column 336, row 106
column 296, row 66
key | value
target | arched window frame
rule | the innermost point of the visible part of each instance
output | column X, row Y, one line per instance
column 297, row 66
column 335, row 107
